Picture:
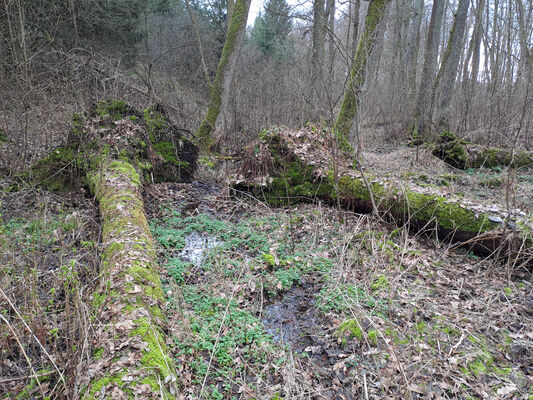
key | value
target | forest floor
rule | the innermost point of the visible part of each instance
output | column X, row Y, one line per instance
column 302, row 302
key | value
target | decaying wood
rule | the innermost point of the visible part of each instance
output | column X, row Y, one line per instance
column 304, row 164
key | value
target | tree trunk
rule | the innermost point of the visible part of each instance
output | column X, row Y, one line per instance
column 130, row 324
column 218, row 119
column 345, row 120
column 301, row 175
column 355, row 34
column 450, row 64
column 130, row 303
column 463, row 155
column 413, row 42
column 423, row 102
column 199, row 40
column 474, row 49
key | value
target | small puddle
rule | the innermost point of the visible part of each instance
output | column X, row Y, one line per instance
column 197, row 246
column 294, row 320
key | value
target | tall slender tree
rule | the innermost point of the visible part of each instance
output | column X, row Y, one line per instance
column 422, row 110
column 449, row 65
column 218, row 119
column 345, row 120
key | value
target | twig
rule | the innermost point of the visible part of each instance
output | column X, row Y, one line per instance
column 34, row 374
column 35, row 337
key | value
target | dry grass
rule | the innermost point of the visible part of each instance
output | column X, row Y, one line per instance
column 49, row 267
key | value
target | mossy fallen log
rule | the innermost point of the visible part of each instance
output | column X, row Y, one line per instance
column 112, row 128
column 462, row 154
column 284, row 166
column 113, row 150
column 131, row 358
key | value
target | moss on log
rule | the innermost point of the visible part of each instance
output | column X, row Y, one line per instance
column 114, row 149
column 113, row 129
column 131, row 359
column 461, row 154
column 285, row 166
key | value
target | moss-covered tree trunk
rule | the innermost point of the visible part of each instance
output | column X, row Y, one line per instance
column 461, row 154
column 115, row 149
column 217, row 122
column 345, row 120
column 131, row 357
column 285, row 164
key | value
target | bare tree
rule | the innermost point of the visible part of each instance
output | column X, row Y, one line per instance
column 423, row 102
column 345, row 120
column 218, row 119
column 450, row 64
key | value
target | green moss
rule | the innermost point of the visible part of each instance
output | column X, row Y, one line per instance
column 447, row 136
column 56, row 173
column 3, row 136
column 155, row 123
column 294, row 183
column 350, row 327
column 493, row 158
column 121, row 167
column 372, row 337
column 237, row 23
column 115, row 379
column 269, row 259
column 380, row 283
column 112, row 107
column 155, row 357
column 144, row 274
column 168, row 152
column 350, row 101
column 448, row 215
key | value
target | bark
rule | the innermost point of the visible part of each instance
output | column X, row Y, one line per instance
column 131, row 298
column 470, row 80
column 355, row 34
column 218, row 120
column 422, row 109
column 331, row 37
column 525, row 68
column 461, row 154
column 413, row 42
column 276, row 167
column 114, row 149
column 345, row 120
column 199, row 40
column 450, row 64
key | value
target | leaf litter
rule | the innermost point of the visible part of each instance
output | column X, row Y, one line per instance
column 312, row 302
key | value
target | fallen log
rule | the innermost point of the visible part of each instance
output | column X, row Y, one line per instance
column 112, row 150
column 130, row 359
column 463, row 155
column 284, row 166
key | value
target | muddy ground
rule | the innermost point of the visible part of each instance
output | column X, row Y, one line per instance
column 306, row 302
column 336, row 305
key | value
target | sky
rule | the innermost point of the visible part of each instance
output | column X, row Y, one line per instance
column 255, row 8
